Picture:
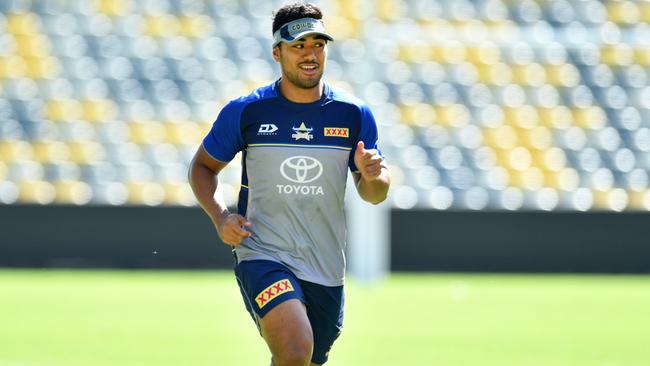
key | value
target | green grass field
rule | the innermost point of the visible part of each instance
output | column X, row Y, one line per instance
column 123, row 318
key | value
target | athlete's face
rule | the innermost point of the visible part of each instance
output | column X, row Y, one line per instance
column 302, row 61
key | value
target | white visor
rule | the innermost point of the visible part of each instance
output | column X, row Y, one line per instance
column 299, row 28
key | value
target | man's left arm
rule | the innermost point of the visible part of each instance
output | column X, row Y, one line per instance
column 372, row 179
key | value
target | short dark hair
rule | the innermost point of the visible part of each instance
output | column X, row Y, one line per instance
column 291, row 12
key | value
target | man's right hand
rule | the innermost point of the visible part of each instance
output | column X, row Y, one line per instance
column 231, row 231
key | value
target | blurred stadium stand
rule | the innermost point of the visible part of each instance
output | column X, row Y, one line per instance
column 482, row 105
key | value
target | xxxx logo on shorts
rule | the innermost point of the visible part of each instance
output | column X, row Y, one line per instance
column 272, row 292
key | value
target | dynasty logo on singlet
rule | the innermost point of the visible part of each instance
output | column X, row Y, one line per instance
column 301, row 170
column 267, row 129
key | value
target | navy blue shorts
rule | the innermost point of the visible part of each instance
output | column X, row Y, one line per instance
column 266, row 284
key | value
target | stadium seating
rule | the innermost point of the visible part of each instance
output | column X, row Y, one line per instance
column 481, row 104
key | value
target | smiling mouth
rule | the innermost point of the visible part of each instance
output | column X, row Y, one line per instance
column 308, row 68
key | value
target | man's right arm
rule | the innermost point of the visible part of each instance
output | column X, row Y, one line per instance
column 203, row 178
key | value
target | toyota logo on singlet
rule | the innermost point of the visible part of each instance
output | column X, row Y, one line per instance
column 301, row 169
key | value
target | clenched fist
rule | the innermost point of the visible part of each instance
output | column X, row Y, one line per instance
column 232, row 229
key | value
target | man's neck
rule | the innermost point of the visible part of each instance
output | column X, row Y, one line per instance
column 300, row 95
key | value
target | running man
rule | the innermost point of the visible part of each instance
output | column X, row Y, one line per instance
column 299, row 136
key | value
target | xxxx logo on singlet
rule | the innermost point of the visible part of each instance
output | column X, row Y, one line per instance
column 272, row 292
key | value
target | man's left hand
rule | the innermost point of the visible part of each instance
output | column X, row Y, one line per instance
column 368, row 161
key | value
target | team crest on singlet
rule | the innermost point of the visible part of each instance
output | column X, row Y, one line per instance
column 302, row 132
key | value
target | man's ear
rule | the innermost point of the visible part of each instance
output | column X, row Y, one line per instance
column 276, row 53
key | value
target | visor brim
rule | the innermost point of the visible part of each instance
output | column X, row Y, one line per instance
column 302, row 35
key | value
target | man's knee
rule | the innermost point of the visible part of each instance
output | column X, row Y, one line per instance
column 296, row 353
column 288, row 333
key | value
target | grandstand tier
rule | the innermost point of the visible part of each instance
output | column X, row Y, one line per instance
column 481, row 104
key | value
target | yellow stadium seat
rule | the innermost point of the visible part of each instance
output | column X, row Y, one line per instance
column 178, row 194
column 114, row 7
column 453, row 115
column 525, row 116
column 539, row 138
column 615, row 199
column 502, row 157
column 415, row 52
column 639, row 200
column 12, row 150
column 147, row 132
column 502, row 137
column 644, row 11
column 555, row 117
column 64, row 109
column 197, row 26
column 350, row 9
column 452, row 52
column 537, row 157
column 4, row 71
column 531, row 74
column 486, row 53
column 32, row 45
column 548, row 177
column 419, row 114
column 553, row 180
column 495, row 74
column 33, row 67
column 519, row 159
column 533, row 179
column 622, row 12
column 593, row 117
column 566, row 179
column 72, row 192
column 504, row 29
column 553, row 160
column 50, row 151
column 42, row 67
column 147, row 193
column 86, row 152
column 389, row 10
column 99, row 110
column 617, row 54
column 562, row 75
column 184, row 133
column 164, row 25
column 4, row 170
column 642, row 56
column 23, row 23
column 12, row 67
column 38, row 191
column 516, row 178
column 342, row 28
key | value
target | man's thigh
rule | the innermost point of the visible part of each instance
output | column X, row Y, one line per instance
column 286, row 329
